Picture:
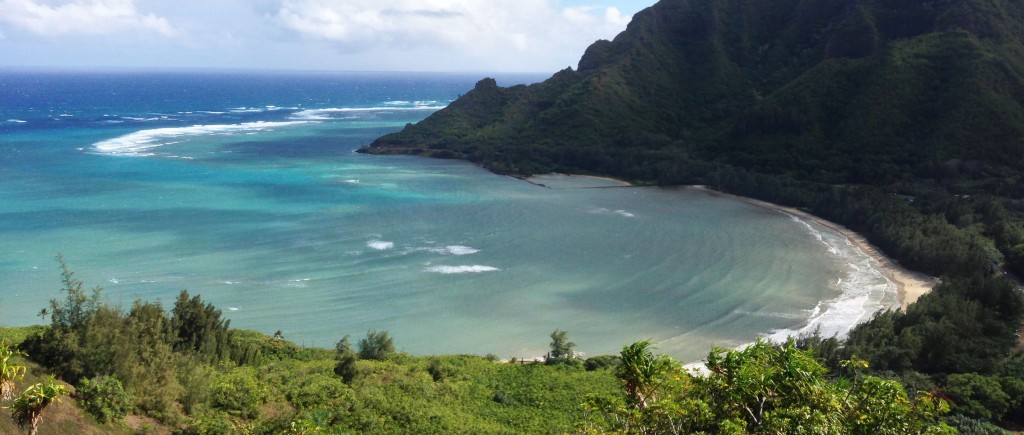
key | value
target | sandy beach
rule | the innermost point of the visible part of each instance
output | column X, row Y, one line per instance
column 910, row 285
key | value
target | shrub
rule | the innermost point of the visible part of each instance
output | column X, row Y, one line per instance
column 376, row 345
column 104, row 397
column 239, row 392
column 602, row 362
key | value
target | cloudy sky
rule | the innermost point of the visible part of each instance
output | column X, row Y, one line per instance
column 343, row 35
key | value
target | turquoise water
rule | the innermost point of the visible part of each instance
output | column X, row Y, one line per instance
column 246, row 189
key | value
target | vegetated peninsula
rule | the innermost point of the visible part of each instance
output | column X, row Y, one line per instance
column 901, row 120
column 854, row 92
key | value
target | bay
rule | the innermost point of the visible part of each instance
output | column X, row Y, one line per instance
column 245, row 188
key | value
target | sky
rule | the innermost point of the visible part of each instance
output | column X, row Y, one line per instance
column 321, row 35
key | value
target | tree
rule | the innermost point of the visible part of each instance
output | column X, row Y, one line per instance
column 977, row 396
column 28, row 408
column 75, row 308
column 9, row 371
column 376, row 345
column 561, row 347
column 346, row 361
column 640, row 372
column 198, row 327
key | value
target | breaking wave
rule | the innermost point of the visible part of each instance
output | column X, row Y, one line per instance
column 142, row 142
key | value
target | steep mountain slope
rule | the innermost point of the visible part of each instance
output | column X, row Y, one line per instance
column 852, row 91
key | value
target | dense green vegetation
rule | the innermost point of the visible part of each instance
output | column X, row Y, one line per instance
column 216, row 380
column 185, row 370
column 901, row 120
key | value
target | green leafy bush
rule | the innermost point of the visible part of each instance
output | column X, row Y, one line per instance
column 104, row 397
column 239, row 392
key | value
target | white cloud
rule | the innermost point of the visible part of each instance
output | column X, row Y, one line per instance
column 81, row 17
column 614, row 17
column 494, row 31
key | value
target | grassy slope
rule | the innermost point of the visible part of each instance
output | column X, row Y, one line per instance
column 405, row 394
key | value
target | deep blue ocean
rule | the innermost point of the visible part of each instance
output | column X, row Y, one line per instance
column 245, row 188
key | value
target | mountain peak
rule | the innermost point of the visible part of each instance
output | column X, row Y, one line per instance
column 805, row 88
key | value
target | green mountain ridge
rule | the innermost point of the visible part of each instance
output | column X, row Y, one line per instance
column 820, row 90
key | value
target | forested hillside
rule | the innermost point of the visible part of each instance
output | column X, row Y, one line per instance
column 828, row 91
column 903, row 120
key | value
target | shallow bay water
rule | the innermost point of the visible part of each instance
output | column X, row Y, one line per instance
column 247, row 191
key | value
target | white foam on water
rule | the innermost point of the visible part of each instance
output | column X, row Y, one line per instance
column 232, row 308
column 460, row 250
column 453, row 250
column 605, row 211
column 328, row 113
column 140, row 142
column 153, row 118
column 414, row 104
column 380, row 245
column 450, row 270
column 863, row 290
column 246, row 109
column 16, row 121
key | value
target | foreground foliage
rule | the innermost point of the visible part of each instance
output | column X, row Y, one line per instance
column 191, row 373
column 202, row 387
column 27, row 409
column 9, row 370
column 763, row 388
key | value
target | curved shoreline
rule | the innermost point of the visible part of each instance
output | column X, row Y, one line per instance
column 910, row 285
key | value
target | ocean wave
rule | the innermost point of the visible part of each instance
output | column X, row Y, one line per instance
column 863, row 290
column 380, row 245
column 455, row 250
column 246, row 109
column 329, row 113
column 16, row 121
column 419, row 103
column 138, row 143
column 622, row 213
column 449, row 270
column 152, row 118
